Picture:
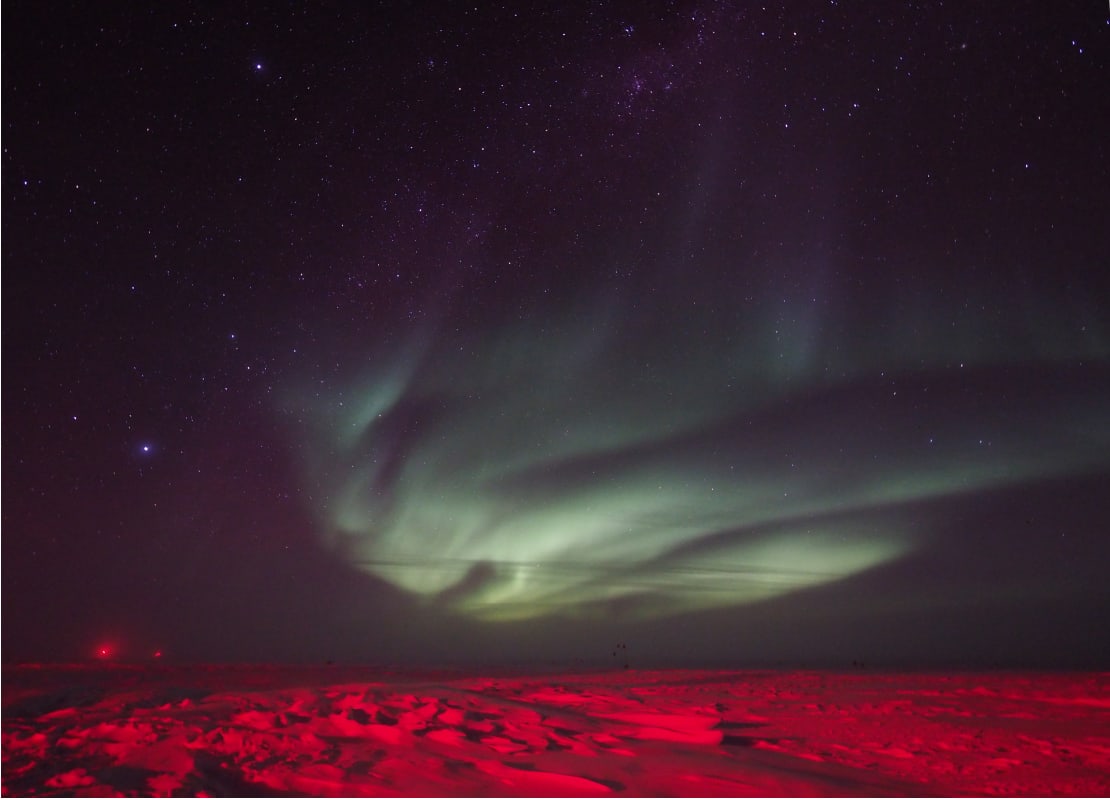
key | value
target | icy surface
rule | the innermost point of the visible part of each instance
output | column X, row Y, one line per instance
column 350, row 731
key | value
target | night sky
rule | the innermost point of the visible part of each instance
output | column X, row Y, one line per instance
column 499, row 334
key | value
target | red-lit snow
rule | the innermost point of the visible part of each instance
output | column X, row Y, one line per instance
column 121, row 731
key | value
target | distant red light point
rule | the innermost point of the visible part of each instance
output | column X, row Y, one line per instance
column 157, row 653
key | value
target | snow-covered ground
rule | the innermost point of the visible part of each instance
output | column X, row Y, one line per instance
column 349, row 731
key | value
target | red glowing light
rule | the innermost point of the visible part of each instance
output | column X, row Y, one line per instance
column 560, row 735
column 157, row 653
column 104, row 651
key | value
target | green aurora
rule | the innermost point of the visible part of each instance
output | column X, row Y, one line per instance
column 612, row 458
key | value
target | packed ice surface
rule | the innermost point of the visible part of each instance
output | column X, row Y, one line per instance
column 352, row 731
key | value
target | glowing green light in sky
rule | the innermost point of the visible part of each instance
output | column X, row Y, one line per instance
column 653, row 462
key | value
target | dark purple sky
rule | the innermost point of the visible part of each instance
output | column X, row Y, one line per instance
column 741, row 335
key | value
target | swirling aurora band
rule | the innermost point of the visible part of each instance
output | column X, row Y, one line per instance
column 588, row 463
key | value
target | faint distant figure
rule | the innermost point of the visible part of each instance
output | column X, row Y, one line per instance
column 620, row 654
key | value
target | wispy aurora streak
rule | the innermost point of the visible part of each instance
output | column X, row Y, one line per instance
column 611, row 459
